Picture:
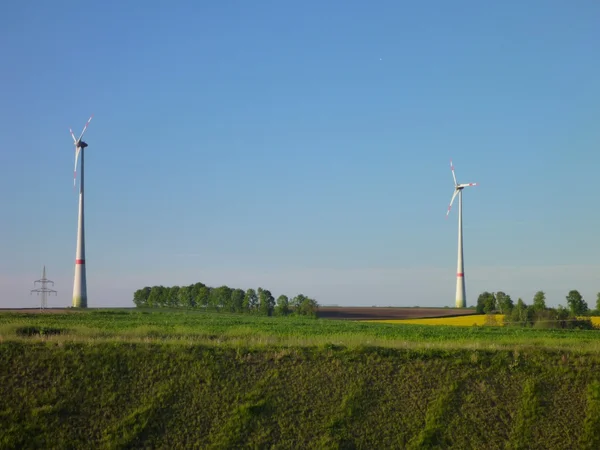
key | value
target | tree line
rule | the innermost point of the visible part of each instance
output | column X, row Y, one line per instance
column 574, row 315
column 224, row 298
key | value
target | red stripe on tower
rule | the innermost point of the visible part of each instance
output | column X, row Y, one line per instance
column 460, row 275
column 80, row 261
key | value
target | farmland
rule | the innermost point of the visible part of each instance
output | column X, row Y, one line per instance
column 225, row 329
column 466, row 320
column 233, row 330
column 388, row 313
column 179, row 379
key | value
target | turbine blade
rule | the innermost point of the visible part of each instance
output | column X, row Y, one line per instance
column 451, row 201
column 453, row 176
column 73, row 136
column 467, row 185
column 85, row 127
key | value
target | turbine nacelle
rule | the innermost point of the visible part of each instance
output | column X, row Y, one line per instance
column 79, row 145
column 457, row 188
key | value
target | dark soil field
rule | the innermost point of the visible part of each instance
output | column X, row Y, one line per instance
column 325, row 312
column 36, row 310
column 375, row 313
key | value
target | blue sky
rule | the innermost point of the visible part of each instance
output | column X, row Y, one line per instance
column 302, row 147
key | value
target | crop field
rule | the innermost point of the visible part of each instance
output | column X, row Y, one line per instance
column 325, row 312
column 375, row 313
column 194, row 379
column 495, row 320
column 247, row 330
column 457, row 321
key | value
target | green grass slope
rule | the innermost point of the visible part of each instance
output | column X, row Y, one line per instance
column 110, row 394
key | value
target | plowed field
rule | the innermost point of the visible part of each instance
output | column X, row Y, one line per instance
column 380, row 313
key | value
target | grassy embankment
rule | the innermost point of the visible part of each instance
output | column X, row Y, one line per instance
column 179, row 380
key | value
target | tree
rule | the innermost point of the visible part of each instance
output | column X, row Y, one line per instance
column 173, row 297
column 237, row 300
column 304, row 306
column 195, row 289
column 140, row 297
column 166, row 296
column 297, row 301
column 157, row 296
column 521, row 314
column 220, row 297
column 539, row 301
column 562, row 315
column 283, row 306
column 266, row 302
column 504, row 303
column 308, row 307
column 250, row 300
column 186, row 298
column 577, row 304
column 597, row 302
column 203, row 296
column 486, row 303
column 223, row 298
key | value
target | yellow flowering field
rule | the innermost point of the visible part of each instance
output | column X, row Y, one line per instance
column 460, row 321
column 463, row 321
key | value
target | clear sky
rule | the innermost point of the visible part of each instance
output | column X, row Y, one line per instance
column 302, row 146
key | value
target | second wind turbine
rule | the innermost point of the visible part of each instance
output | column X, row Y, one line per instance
column 461, row 294
column 80, row 281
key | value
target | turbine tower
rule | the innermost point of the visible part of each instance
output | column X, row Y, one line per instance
column 44, row 289
column 461, row 293
column 80, row 285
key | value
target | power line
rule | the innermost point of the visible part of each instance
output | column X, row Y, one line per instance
column 44, row 290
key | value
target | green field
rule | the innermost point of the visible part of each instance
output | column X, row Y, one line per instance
column 233, row 330
column 158, row 379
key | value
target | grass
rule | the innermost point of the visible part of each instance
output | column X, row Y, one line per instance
column 162, row 395
column 160, row 379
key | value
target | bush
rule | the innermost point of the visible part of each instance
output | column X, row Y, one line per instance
column 37, row 331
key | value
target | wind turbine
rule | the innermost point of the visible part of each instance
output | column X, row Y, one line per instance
column 461, row 293
column 79, row 284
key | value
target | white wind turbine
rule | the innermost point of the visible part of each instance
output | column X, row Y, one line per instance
column 460, row 267
column 80, row 284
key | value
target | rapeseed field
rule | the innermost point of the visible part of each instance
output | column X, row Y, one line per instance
column 461, row 321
